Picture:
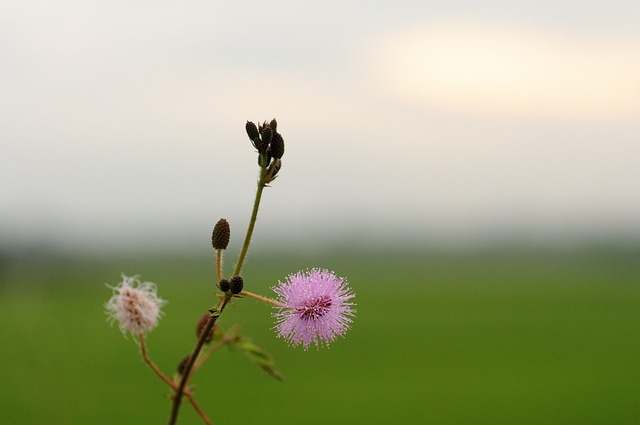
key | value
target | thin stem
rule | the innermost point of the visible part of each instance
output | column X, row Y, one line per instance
column 215, row 347
column 180, row 391
column 152, row 365
column 261, row 298
column 156, row 369
column 192, row 358
column 252, row 221
column 219, row 264
column 197, row 408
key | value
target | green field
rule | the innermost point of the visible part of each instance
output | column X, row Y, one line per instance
column 487, row 337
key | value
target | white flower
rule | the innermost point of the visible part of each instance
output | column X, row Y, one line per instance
column 134, row 305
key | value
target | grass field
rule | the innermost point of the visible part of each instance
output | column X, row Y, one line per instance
column 487, row 337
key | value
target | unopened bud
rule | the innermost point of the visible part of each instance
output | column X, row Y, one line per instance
column 202, row 324
column 236, row 284
column 183, row 364
column 266, row 134
column 252, row 130
column 277, row 146
column 221, row 234
column 224, row 285
column 274, row 125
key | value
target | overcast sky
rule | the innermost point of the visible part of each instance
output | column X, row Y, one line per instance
column 123, row 121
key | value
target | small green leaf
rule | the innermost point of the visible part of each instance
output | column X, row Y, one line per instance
column 260, row 357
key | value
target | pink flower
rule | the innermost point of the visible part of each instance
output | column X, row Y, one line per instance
column 134, row 305
column 314, row 308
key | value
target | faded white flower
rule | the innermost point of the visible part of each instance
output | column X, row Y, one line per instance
column 134, row 305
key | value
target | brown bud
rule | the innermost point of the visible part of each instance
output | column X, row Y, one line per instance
column 236, row 284
column 201, row 325
column 274, row 125
column 266, row 134
column 221, row 234
column 277, row 146
column 252, row 130
column 183, row 364
column 224, row 285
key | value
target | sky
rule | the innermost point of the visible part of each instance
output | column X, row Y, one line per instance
column 433, row 122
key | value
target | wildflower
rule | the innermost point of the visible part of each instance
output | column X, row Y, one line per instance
column 314, row 308
column 134, row 305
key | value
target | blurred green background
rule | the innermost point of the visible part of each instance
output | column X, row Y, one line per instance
column 473, row 161
column 498, row 336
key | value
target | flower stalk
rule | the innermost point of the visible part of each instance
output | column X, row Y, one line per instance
column 261, row 298
column 152, row 365
column 219, row 264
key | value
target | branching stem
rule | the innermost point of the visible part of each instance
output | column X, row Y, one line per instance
column 261, row 298
column 180, row 391
column 156, row 369
column 265, row 174
column 215, row 347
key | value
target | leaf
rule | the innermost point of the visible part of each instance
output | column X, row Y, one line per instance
column 260, row 357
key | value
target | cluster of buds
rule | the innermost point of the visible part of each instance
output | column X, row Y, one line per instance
column 220, row 240
column 269, row 144
column 235, row 285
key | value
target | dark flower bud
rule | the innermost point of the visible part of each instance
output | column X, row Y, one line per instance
column 236, row 284
column 277, row 146
column 224, row 285
column 183, row 364
column 201, row 325
column 221, row 234
column 274, row 125
column 252, row 130
column 266, row 134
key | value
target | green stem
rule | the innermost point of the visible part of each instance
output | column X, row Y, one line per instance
column 261, row 298
column 262, row 182
column 252, row 222
column 192, row 359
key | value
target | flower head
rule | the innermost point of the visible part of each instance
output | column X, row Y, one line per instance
column 134, row 305
column 314, row 308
